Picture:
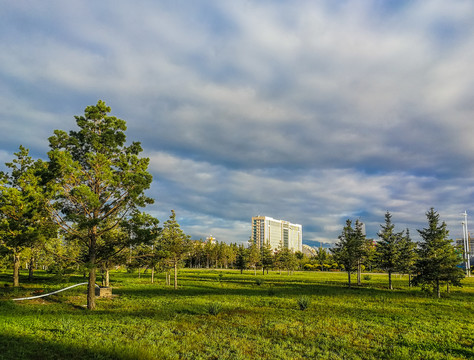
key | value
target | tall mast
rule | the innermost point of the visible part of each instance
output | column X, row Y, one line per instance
column 467, row 252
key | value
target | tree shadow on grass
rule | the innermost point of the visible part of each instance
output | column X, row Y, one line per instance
column 28, row 347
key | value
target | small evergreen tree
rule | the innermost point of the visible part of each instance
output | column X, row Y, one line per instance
column 267, row 258
column 254, row 257
column 349, row 250
column 387, row 249
column 437, row 259
column 287, row 259
column 242, row 259
column 406, row 256
column 175, row 243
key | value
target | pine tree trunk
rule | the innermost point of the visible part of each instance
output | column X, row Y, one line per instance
column 359, row 270
column 390, row 280
column 447, row 287
column 438, row 292
column 349, row 278
column 30, row 269
column 409, row 280
column 152, row 275
column 176, row 274
column 107, row 277
column 16, row 270
column 92, row 271
column 91, row 288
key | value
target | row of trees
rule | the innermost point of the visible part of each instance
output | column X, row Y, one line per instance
column 432, row 261
column 83, row 206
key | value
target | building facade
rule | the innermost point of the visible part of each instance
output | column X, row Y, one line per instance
column 277, row 233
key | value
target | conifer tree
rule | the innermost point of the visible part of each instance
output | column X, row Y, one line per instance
column 96, row 184
column 267, row 257
column 24, row 221
column 254, row 257
column 406, row 256
column 242, row 259
column 287, row 259
column 387, row 249
column 349, row 250
column 175, row 243
column 437, row 259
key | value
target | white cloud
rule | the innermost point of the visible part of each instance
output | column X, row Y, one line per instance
column 309, row 110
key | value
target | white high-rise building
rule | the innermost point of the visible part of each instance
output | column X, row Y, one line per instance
column 278, row 233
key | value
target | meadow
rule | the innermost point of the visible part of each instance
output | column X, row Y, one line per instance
column 227, row 315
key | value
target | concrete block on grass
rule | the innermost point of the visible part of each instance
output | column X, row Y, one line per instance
column 103, row 291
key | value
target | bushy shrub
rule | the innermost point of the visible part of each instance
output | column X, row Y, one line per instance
column 214, row 308
column 304, row 302
column 259, row 281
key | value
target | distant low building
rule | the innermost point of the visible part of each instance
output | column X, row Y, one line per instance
column 277, row 233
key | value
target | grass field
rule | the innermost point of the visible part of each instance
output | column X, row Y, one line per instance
column 226, row 315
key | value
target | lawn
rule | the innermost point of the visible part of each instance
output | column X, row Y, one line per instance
column 225, row 315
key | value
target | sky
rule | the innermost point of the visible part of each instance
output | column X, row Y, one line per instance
column 308, row 111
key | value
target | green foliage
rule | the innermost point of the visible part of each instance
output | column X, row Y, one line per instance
column 242, row 261
column 349, row 250
column 406, row 254
column 24, row 221
column 388, row 249
column 174, row 243
column 254, row 257
column 286, row 259
column 267, row 257
column 96, row 184
column 214, row 308
column 259, row 281
column 304, row 302
column 437, row 259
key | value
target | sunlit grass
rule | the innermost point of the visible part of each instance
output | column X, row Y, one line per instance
column 225, row 315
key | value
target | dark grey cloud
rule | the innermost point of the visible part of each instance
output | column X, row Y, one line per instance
column 308, row 111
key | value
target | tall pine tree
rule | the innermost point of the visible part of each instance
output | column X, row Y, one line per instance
column 387, row 250
column 95, row 183
column 437, row 260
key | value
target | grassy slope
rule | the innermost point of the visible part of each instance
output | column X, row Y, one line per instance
column 148, row 321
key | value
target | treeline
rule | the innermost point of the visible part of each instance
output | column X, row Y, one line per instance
column 429, row 263
column 82, row 209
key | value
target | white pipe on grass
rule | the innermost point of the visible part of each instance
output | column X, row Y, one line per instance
column 54, row 292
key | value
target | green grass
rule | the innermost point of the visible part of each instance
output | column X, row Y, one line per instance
column 231, row 317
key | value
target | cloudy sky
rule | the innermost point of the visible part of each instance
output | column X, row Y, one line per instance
column 308, row 111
